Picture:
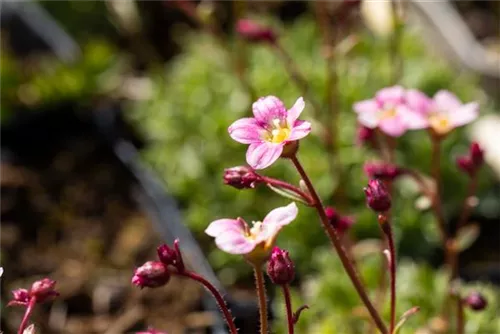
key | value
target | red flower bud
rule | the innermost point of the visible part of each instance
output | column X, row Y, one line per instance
column 383, row 171
column 171, row 256
column 43, row 290
column 475, row 301
column 20, row 297
column 465, row 164
column 241, row 177
column 151, row 274
column 280, row 267
column 254, row 32
column 377, row 196
column 341, row 223
column 476, row 154
column 365, row 135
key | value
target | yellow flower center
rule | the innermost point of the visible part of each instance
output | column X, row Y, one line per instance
column 279, row 132
column 254, row 231
column 440, row 123
column 387, row 113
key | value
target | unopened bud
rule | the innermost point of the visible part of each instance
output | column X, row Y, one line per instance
column 43, row 290
column 340, row 223
column 476, row 154
column 365, row 135
column 20, row 297
column 377, row 196
column 254, row 32
column 383, row 171
column 151, row 274
column 475, row 301
column 241, row 177
column 171, row 256
column 465, row 164
column 280, row 267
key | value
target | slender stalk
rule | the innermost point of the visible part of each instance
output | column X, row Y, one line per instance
column 387, row 229
column 460, row 316
column 27, row 314
column 288, row 305
column 288, row 186
column 344, row 258
column 436, row 198
column 466, row 207
column 261, row 294
column 218, row 297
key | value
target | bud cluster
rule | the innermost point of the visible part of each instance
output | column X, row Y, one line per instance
column 339, row 222
column 42, row 290
column 377, row 197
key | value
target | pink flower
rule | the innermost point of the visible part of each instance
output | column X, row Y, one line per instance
column 442, row 113
column 387, row 111
column 271, row 128
column 234, row 236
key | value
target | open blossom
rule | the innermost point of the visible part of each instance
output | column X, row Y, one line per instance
column 442, row 113
column 271, row 128
column 387, row 111
column 234, row 236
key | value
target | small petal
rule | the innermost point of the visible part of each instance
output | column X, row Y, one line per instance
column 446, row 101
column 412, row 119
column 295, row 111
column 220, row 226
column 393, row 126
column 299, row 130
column 465, row 114
column 282, row 216
column 268, row 108
column 368, row 119
column 391, row 95
column 366, row 106
column 262, row 155
column 418, row 101
column 246, row 131
column 234, row 243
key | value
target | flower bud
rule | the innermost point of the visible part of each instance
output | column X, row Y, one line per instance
column 377, row 196
column 365, row 135
column 280, row 267
column 241, row 177
column 340, row 223
column 254, row 32
column 20, row 297
column 151, row 274
column 476, row 154
column 171, row 256
column 465, row 164
column 475, row 301
column 383, row 171
column 43, row 290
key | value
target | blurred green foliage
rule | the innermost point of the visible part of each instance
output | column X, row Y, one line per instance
column 197, row 97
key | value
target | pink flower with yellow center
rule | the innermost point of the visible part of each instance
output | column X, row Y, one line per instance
column 386, row 111
column 442, row 113
column 271, row 128
column 234, row 236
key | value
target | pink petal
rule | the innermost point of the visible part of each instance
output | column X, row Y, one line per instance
column 246, row 131
column 366, row 106
column 262, row 155
column 412, row 119
column 391, row 95
column 220, row 226
column 299, row 130
column 234, row 243
column 295, row 111
column 268, row 108
column 465, row 114
column 281, row 216
column 446, row 101
column 393, row 126
column 418, row 101
column 369, row 119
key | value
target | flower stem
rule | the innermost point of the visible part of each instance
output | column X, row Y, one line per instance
column 387, row 229
column 460, row 316
column 27, row 314
column 218, row 297
column 436, row 198
column 288, row 186
column 261, row 294
column 288, row 305
column 332, row 235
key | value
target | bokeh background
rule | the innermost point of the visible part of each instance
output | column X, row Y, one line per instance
column 114, row 137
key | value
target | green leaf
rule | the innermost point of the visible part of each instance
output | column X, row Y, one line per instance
column 466, row 236
column 287, row 193
column 405, row 317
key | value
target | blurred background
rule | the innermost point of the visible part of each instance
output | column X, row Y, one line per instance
column 114, row 119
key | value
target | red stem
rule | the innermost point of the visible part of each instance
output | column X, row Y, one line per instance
column 466, row 207
column 344, row 258
column 436, row 199
column 288, row 304
column 27, row 314
column 288, row 186
column 261, row 294
column 387, row 229
column 218, row 297
column 460, row 316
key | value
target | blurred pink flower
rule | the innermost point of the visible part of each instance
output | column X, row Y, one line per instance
column 254, row 32
column 234, row 236
column 442, row 113
column 387, row 111
column 271, row 128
